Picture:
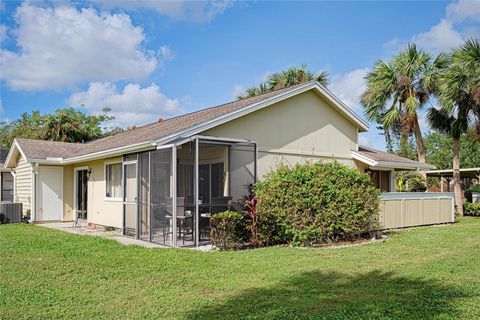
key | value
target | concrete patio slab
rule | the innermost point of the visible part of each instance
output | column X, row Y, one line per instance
column 99, row 232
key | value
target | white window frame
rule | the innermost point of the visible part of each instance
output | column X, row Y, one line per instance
column 114, row 199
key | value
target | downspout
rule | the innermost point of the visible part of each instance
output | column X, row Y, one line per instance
column 14, row 186
column 33, row 204
column 255, row 163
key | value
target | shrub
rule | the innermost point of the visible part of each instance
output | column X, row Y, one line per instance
column 228, row 230
column 411, row 183
column 251, row 216
column 472, row 189
column 471, row 209
column 311, row 204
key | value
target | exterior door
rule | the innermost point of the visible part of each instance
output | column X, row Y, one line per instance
column 50, row 194
column 130, row 198
column 81, row 193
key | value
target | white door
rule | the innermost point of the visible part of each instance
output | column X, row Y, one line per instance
column 50, row 193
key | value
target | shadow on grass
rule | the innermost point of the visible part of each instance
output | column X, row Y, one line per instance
column 316, row 295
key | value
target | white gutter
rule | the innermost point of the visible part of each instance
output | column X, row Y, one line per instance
column 96, row 155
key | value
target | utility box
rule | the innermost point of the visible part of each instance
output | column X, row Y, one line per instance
column 10, row 212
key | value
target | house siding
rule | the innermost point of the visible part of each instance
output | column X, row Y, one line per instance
column 23, row 184
column 303, row 128
column 101, row 211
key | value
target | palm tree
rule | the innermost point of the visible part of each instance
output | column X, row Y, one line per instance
column 398, row 88
column 254, row 91
column 459, row 96
column 293, row 76
column 284, row 79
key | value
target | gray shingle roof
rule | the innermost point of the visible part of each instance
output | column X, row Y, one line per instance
column 378, row 155
column 39, row 149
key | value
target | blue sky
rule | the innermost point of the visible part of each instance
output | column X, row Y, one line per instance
column 150, row 59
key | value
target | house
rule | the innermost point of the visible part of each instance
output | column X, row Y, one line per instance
column 129, row 180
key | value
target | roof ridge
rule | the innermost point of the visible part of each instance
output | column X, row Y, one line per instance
column 50, row 141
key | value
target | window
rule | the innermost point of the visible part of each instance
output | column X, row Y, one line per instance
column 6, row 186
column 381, row 180
column 113, row 178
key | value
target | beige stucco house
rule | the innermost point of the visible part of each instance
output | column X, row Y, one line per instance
column 161, row 182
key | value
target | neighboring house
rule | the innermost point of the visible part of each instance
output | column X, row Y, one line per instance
column 128, row 180
column 6, row 179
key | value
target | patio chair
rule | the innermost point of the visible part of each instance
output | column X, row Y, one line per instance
column 184, row 221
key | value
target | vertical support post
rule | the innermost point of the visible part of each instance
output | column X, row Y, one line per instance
column 229, row 170
column 149, row 205
column 174, row 194
column 442, row 182
column 255, row 161
column 393, row 181
column 123, row 197
column 197, row 212
column 137, row 202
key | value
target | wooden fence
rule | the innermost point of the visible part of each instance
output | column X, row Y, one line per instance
column 402, row 209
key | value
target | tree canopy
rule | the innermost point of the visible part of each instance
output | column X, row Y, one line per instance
column 398, row 88
column 284, row 79
column 67, row 125
column 440, row 152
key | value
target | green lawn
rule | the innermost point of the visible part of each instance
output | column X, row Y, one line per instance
column 423, row 273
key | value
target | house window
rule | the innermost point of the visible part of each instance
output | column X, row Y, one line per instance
column 6, row 186
column 113, row 178
column 381, row 180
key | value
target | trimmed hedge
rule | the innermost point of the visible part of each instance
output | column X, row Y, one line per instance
column 311, row 204
column 228, row 230
column 471, row 209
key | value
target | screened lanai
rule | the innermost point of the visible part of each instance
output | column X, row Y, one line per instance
column 206, row 174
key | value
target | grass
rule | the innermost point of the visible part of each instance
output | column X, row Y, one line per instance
column 423, row 273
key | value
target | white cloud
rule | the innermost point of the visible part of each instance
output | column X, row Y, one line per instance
column 463, row 9
column 132, row 105
column 62, row 47
column 3, row 33
column 441, row 37
column 2, row 111
column 349, row 87
column 449, row 32
column 165, row 53
column 198, row 11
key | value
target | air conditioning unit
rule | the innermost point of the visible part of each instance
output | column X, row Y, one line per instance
column 10, row 212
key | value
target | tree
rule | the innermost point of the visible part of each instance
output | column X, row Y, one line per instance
column 398, row 88
column 27, row 126
column 439, row 148
column 67, row 125
column 406, row 147
column 284, row 79
column 459, row 96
